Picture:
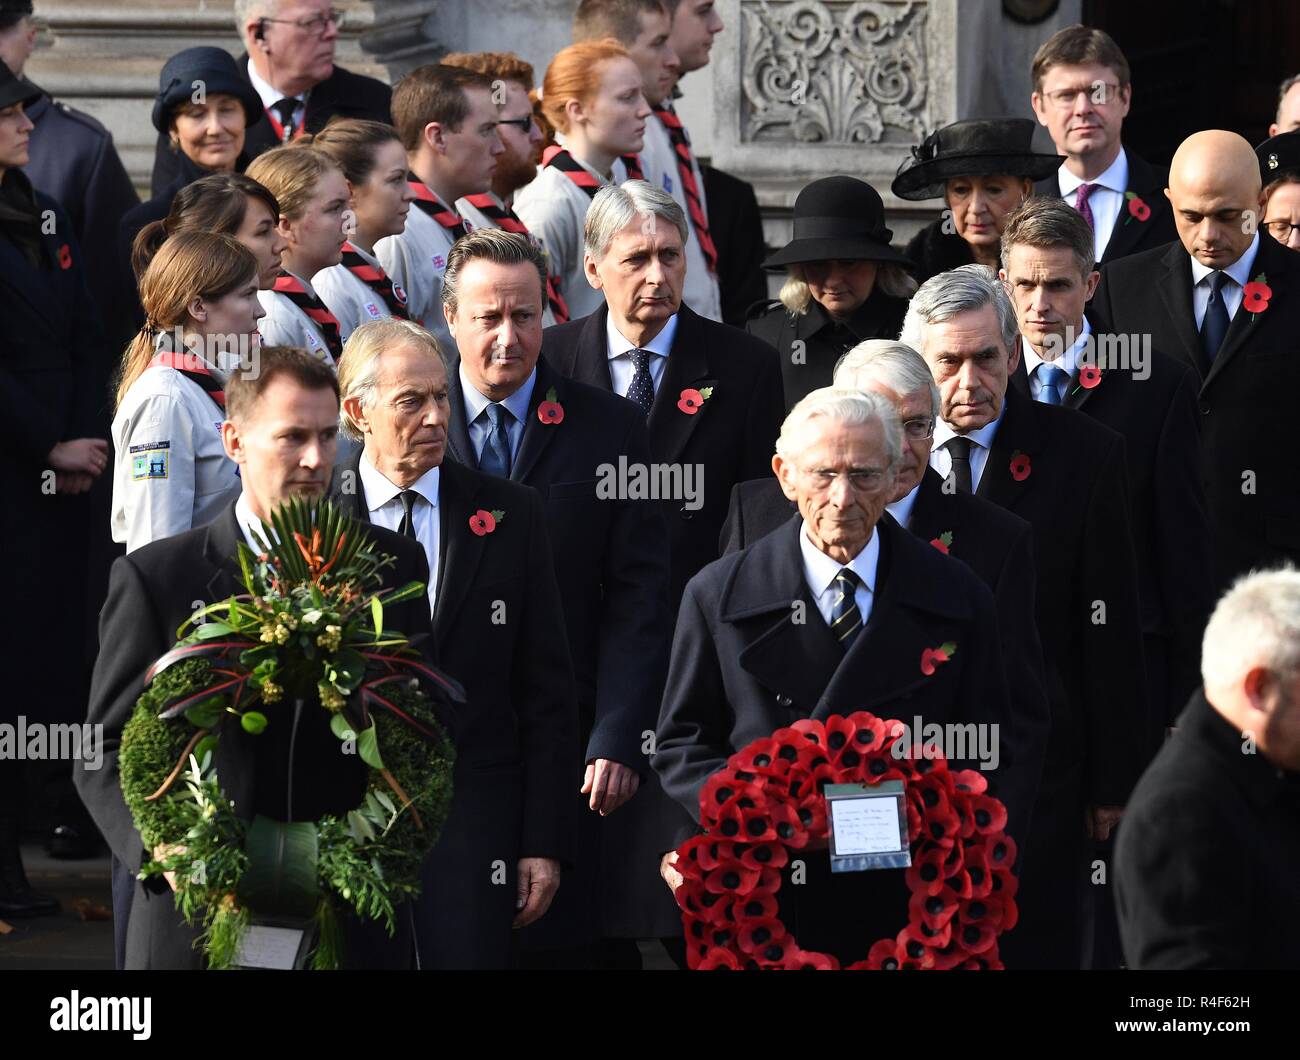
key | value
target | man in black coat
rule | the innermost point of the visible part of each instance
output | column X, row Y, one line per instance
column 1082, row 94
column 1064, row 474
column 566, row 439
column 289, row 62
column 1142, row 394
column 1208, row 859
column 831, row 614
column 498, row 627
column 712, row 398
column 1224, row 299
column 157, row 588
column 995, row 544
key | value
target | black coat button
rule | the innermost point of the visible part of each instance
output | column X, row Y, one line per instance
column 687, row 514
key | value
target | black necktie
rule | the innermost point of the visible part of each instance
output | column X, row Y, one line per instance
column 1215, row 324
column 959, row 450
column 407, row 527
column 642, row 388
column 285, row 108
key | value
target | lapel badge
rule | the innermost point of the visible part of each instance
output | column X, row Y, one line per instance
column 1272, row 161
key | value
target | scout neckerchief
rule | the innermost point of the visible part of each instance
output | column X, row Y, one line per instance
column 686, row 173
column 558, row 157
column 508, row 221
column 632, row 163
column 194, row 369
column 291, row 287
column 377, row 280
column 437, row 209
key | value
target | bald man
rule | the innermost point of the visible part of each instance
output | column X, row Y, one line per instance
column 1204, row 299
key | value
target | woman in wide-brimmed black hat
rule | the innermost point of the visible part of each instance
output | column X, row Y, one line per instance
column 846, row 283
column 982, row 170
column 1279, row 173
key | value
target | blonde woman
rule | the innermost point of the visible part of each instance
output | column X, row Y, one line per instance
column 201, row 311
column 313, row 196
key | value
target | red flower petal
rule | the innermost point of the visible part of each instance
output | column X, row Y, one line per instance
column 883, row 956
column 810, row 961
column 989, row 814
column 690, row 401
column 482, row 522
column 1255, row 296
column 1089, row 376
column 759, row 934
column 1020, row 467
column 65, row 257
column 550, row 412
column 718, row 960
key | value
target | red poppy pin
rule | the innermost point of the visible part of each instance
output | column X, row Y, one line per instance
column 943, row 542
column 483, row 522
column 550, row 410
column 65, row 256
column 1255, row 295
column 1136, row 207
column 1020, row 466
column 1089, row 376
column 932, row 657
column 691, row 400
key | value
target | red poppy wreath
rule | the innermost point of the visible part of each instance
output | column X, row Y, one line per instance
column 767, row 801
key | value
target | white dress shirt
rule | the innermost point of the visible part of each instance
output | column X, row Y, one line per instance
column 480, row 427
column 981, row 443
column 901, row 509
column 621, row 368
column 1106, row 200
column 248, row 523
column 385, row 507
column 272, row 95
column 819, row 570
column 1232, row 293
column 1067, row 362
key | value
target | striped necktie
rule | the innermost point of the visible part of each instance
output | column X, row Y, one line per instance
column 686, row 173
column 846, row 618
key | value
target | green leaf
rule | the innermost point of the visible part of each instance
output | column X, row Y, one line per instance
column 253, row 722
column 385, row 801
column 407, row 592
column 362, row 830
column 281, row 875
column 377, row 614
column 205, row 714
column 368, row 748
column 341, row 727
column 203, row 749
column 208, row 630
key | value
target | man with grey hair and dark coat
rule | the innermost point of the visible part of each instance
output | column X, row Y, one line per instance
column 1065, row 475
column 713, row 402
column 1208, row 861
column 829, row 615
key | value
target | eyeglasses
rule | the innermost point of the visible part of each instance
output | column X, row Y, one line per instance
column 1281, row 230
column 918, row 428
column 861, row 481
column 316, row 24
column 525, row 124
column 1099, row 93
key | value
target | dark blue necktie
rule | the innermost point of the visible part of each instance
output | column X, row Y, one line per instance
column 846, row 618
column 642, row 388
column 407, row 526
column 1215, row 324
column 1050, row 378
column 495, row 459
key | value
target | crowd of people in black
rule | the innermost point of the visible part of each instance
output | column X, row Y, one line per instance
column 1047, row 432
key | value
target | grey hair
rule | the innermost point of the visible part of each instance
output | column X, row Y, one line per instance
column 943, row 296
column 359, row 365
column 1047, row 221
column 851, row 408
column 496, row 246
column 891, row 279
column 1256, row 623
column 248, row 9
column 617, row 205
column 895, row 364
column 1287, row 85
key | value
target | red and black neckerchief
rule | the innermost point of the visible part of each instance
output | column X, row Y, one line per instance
column 437, row 209
column 194, row 369
column 559, row 158
column 508, row 221
column 686, row 174
column 632, row 163
column 377, row 280
column 317, row 312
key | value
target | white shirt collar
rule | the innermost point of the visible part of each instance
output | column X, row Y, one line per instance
column 269, row 93
column 901, row 509
column 1239, row 270
column 661, row 344
column 820, row 570
column 248, row 523
column 1114, row 177
column 476, row 402
column 1068, row 360
column 983, row 437
column 379, row 491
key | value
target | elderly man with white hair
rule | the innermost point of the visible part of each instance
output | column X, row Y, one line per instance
column 1208, row 857
column 831, row 614
column 995, row 544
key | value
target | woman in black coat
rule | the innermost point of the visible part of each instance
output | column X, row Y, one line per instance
column 982, row 170
column 845, row 284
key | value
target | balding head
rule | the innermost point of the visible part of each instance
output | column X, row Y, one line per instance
column 1214, row 188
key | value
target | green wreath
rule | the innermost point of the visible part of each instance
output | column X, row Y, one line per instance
column 310, row 629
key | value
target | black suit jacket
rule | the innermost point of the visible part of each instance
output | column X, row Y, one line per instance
column 1076, row 499
column 1171, row 530
column 736, row 225
column 343, row 93
column 1131, row 236
column 731, row 437
column 1207, row 862
column 152, row 591
column 998, row 547
column 1243, row 402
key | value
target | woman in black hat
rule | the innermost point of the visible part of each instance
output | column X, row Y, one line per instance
column 983, row 170
column 1279, row 172
column 845, row 283
column 203, row 106
column 53, row 368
